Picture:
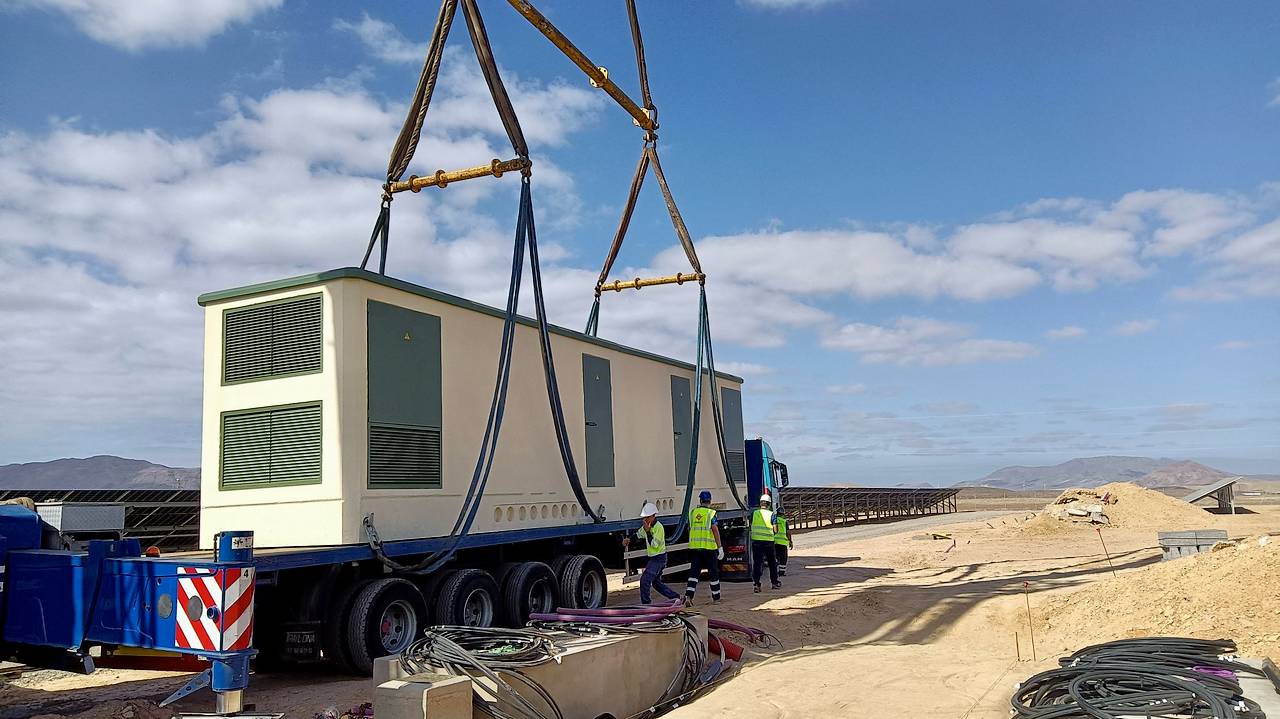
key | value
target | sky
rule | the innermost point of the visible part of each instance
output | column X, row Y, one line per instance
column 940, row 238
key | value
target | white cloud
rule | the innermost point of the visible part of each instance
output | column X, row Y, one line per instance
column 846, row 389
column 1069, row 332
column 383, row 40
column 1237, row 345
column 1076, row 256
column 1274, row 87
column 135, row 25
column 921, row 341
column 1134, row 327
column 745, row 369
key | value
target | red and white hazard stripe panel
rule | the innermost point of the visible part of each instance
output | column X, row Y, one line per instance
column 229, row 592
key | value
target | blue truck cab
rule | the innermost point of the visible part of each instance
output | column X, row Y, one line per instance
column 765, row 474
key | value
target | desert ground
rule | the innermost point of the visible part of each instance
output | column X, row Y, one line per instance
column 879, row 620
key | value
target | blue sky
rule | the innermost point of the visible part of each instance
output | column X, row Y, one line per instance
column 941, row 237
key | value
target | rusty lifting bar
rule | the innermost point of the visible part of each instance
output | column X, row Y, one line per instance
column 599, row 76
column 678, row 278
column 441, row 178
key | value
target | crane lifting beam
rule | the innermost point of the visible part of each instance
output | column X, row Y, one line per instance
column 599, row 76
column 441, row 178
column 678, row 278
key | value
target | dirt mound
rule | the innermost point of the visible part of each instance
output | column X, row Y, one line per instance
column 133, row 709
column 1224, row 594
column 1119, row 504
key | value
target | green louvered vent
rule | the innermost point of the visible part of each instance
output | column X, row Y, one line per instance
column 403, row 457
column 271, row 447
column 737, row 466
column 272, row 339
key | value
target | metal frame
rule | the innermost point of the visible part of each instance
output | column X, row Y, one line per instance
column 165, row 518
column 814, row 507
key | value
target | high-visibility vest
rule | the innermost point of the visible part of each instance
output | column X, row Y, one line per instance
column 762, row 525
column 655, row 540
column 700, row 536
column 781, row 536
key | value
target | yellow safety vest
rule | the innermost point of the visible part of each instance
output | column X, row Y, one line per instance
column 655, row 539
column 762, row 525
column 700, row 536
column 781, row 536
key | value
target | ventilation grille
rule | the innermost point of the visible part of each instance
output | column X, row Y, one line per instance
column 273, row 339
column 737, row 465
column 403, row 457
column 271, row 447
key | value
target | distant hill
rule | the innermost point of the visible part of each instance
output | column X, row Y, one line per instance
column 100, row 472
column 1080, row 472
column 1182, row 474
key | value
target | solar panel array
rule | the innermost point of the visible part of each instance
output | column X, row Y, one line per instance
column 811, row 507
column 166, row 518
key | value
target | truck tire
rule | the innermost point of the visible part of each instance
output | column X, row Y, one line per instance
column 386, row 617
column 557, row 566
column 468, row 598
column 528, row 589
column 583, row 584
column 333, row 635
column 430, row 588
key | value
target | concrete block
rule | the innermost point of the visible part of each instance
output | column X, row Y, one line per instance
column 424, row 696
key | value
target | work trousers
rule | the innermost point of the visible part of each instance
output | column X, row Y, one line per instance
column 781, row 551
column 652, row 578
column 700, row 559
column 762, row 552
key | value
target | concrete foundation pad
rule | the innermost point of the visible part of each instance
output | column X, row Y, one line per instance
column 620, row 675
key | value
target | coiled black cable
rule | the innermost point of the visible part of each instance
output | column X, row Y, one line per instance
column 1152, row 677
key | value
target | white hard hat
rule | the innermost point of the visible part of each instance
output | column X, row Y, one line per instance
column 649, row 510
column 765, row 498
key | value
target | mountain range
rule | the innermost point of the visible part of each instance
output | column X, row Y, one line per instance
column 100, row 472
column 1095, row 471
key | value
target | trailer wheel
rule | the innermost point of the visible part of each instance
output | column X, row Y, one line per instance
column 557, row 565
column 469, row 598
column 530, row 588
column 583, row 584
column 387, row 615
column 333, row 636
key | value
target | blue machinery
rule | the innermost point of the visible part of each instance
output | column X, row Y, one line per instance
column 55, row 604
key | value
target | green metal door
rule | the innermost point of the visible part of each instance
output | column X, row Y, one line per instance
column 734, row 441
column 682, row 426
column 597, row 397
column 404, row 398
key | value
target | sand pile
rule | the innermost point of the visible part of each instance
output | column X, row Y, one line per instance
column 1229, row 593
column 1121, row 504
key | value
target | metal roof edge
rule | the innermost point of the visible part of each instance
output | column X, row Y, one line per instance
column 317, row 278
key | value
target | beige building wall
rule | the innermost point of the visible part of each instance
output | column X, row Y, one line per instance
column 527, row 487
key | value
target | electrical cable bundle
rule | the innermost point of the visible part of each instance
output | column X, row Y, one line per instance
column 490, row 654
column 1150, row 677
column 686, row 682
column 758, row 637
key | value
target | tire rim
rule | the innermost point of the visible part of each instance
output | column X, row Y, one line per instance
column 397, row 626
column 477, row 609
column 592, row 591
column 541, row 599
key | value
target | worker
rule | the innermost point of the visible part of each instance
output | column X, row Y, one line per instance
column 655, row 542
column 705, row 549
column 783, row 542
column 763, row 530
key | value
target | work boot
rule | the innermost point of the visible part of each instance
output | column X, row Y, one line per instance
column 757, row 589
column 688, row 602
column 776, row 585
column 716, row 600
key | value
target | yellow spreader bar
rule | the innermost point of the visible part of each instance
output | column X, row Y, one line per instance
column 677, row 279
column 442, row 178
